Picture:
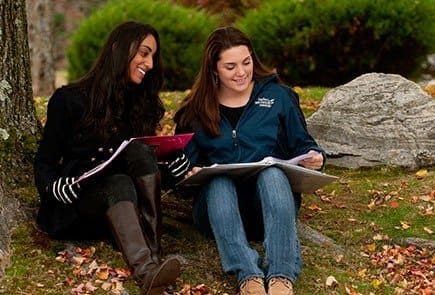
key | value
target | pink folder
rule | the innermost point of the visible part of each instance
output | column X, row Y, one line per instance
column 167, row 144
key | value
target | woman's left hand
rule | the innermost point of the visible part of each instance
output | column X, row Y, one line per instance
column 315, row 162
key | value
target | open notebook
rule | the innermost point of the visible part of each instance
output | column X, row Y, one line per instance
column 301, row 179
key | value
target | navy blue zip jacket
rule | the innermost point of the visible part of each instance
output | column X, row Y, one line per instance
column 272, row 124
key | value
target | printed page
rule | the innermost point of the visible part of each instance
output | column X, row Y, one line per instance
column 293, row 161
column 105, row 163
column 301, row 179
column 237, row 170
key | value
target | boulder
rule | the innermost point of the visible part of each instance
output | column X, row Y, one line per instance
column 376, row 119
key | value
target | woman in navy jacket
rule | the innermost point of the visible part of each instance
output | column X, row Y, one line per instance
column 241, row 113
column 86, row 122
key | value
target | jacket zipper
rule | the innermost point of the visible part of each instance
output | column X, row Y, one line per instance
column 234, row 137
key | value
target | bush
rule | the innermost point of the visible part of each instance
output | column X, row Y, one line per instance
column 329, row 42
column 182, row 32
column 228, row 11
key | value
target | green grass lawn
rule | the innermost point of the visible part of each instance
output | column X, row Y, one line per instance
column 368, row 212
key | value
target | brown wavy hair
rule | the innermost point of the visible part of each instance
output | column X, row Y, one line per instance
column 201, row 107
column 111, row 96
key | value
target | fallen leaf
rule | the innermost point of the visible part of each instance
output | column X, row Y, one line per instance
column 106, row 286
column 102, row 273
column 426, row 198
column 428, row 230
column 362, row 273
column 117, row 285
column 331, row 282
column 68, row 281
column 380, row 237
column 394, row 204
column 405, row 224
column 376, row 283
column 421, row 173
column 339, row 257
column 314, row 207
column 371, row 247
column 78, row 260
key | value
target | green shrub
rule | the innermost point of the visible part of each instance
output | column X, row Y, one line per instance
column 329, row 42
column 182, row 32
column 228, row 10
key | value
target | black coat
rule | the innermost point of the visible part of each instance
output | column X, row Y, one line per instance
column 65, row 150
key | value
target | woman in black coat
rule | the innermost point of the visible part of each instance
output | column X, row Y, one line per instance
column 86, row 121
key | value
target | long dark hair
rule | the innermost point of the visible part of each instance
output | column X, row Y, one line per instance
column 201, row 106
column 112, row 98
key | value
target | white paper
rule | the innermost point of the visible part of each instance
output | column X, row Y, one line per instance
column 105, row 163
column 301, row 179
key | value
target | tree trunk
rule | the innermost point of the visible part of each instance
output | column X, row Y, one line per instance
column 40, row 16
column 19, row 128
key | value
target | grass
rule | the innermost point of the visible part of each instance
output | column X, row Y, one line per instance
column 365, row 212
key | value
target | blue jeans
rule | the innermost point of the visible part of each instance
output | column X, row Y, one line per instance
column 217, row 206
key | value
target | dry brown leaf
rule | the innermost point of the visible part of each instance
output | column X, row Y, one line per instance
column 430, row 88
column 428, row 230
column 331, row 282
column 380, row 237
column 426, row 198
column 314, row 207
column 68, row 281
column 106, row 286
column 362, row 273
column 394, row 204
column 102, row 273
column 371, row 247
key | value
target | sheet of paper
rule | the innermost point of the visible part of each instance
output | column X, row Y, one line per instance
column 301, row 179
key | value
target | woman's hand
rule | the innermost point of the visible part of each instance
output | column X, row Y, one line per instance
column 179, row 165
column 193, row 171
column 64, row 190
column 315, row 162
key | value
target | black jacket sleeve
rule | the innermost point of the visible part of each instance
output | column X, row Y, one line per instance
column 57, row 131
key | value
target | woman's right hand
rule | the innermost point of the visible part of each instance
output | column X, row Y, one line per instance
column 64, row 190
column 179, row 165
column 193, row 171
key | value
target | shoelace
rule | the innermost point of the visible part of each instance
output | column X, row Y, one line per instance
column 256, row 281
column 285, row 282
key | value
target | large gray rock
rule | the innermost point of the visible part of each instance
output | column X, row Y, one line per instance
column 376, row 119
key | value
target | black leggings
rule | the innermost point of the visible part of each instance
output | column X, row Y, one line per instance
column 114, row 184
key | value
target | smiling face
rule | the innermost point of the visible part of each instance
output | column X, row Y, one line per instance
column 142, row 62
column 235, row 70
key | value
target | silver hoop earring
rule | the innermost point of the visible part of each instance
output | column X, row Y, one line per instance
column 216, row 80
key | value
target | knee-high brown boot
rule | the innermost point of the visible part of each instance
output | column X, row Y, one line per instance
column 152, row 277
column 149, row 203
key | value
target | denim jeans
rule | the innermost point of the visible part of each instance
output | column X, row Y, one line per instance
column 219, row 202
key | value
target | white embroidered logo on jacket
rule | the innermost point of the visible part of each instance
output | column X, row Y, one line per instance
column 264, row 102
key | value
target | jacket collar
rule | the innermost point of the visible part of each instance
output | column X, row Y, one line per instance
column 259, row 85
